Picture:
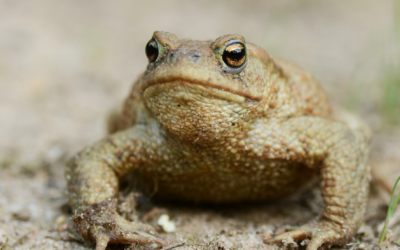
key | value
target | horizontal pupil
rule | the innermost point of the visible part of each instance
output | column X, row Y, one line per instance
column 151, row 49
column 236, row 54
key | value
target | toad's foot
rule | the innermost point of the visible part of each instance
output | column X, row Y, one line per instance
column 102, row 225
column 319, row 234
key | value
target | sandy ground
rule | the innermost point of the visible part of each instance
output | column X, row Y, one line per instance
column 65, row 64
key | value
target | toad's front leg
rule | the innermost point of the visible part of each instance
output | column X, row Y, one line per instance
column 342, row 154
column 92, row 177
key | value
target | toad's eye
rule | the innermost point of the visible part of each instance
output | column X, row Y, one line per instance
column 234, row 54
column 152, row 50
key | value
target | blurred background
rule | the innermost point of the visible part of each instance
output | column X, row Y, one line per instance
column 65, row 64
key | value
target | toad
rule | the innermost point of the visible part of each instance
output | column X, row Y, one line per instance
column 223, row 122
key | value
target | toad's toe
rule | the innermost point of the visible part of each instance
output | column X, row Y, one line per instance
column 318, row 234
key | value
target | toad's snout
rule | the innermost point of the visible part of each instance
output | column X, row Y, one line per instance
column 183, row 58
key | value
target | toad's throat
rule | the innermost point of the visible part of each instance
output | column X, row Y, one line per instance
column 214, row 89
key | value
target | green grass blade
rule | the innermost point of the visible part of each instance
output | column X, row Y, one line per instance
column 391, row 209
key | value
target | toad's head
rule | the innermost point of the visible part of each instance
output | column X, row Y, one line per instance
column 206, row 90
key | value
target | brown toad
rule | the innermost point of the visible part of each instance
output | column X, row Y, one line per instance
column 217, row 122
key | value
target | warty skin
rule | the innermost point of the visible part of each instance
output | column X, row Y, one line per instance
column 203, row 131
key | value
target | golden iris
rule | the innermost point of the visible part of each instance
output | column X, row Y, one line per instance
column 234, row 54
column 152, row 50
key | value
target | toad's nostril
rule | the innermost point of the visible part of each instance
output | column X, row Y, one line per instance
column 171, row 57
column 195, row 57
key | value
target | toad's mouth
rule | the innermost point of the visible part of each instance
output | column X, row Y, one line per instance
column 210, row 88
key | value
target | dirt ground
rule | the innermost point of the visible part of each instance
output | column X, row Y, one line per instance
column 65, row 64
